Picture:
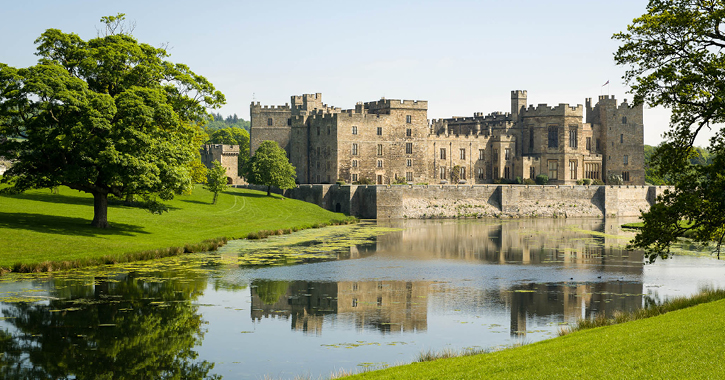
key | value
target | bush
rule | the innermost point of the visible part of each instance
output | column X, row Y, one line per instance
column 587, row 181
column 519, row 180
column 529, row 181
column 580, row 182
column 340, row 182
column 597, row 182
column 542, row 179
column 364, row 181
column 400, row 181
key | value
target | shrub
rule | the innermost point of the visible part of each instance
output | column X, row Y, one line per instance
column 519, row 180
column 597, row 182
column 542, row 179
column 529, row 181
column 364, row 181
column 400, row 181
column 615, row 180
column 580, row 182
column 340, row 182
column 587, row 181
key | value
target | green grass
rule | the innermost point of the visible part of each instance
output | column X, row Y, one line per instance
column 682, row 344
column 44, row 231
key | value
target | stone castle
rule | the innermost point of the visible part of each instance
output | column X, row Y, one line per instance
column 393, row 141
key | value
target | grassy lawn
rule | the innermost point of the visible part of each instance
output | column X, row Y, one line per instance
column 683, row 344
column 38, row 226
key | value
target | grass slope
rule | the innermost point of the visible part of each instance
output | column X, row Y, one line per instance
column 683, row 344
column 38, row 226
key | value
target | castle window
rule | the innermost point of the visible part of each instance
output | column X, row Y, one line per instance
column 625, row 176
column 409, row 132
column 495, row 172
column 480, row 154
column 531, row 139
column 318, row 131
column 354, row 149
column 408, row 119
column 270, row 121
column 409, row 162
column 626, row 159
column 409, row 176
column 380, row 131
column 495, row 154
column 380, row 163
column 507, row 172
column 480, row 173
column 354, row 177
column 318, row 179
column 408, row 148
column 572, row 138
column 289, row 121
column 624, row 120
column 532, row 172
column 354, row 129
column 463, row 172
column 328, row 130
column 591, row 171
column 621, row 138
column 380, row 149
column 354, row 163
column 328, row 165
column 553, row 137
column 572, row 169
column 443, row 172
column 597, row 144
column 318, row 151
column 553, row 169
column 589, row 143
column 380, row 179
column 463, row 154
column 507, row 154
column 443, row 153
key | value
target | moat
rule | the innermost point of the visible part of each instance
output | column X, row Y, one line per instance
column 426, row 285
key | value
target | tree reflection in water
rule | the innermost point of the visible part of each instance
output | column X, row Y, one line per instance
column 122, row 327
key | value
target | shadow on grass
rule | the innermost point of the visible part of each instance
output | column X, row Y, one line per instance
column 252, row 195
column 196, row 202
column 64, row 225
column 54, row 198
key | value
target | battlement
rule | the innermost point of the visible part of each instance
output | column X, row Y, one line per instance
column 561, row 110
column 518, row 94
column 396, row 104
column 259, row 108
column 222, row 149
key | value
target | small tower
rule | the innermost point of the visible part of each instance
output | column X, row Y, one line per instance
column 518, row 100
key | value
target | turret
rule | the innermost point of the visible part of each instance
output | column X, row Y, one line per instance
column 518, row 100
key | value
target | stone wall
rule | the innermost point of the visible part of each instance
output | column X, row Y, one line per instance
column 477, row 201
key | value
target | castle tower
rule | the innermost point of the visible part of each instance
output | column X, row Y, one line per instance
column 518, row 100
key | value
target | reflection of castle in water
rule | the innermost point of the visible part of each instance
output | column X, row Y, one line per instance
column 387, row 306
column 402, row 306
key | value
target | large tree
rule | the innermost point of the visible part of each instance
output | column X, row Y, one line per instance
column 270, row 167
column 675, row 59
column 105, row 116
column 233, row 136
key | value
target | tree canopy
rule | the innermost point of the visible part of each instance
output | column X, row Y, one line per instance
column 675, row 59
column 105, row 116
column 233, row 136
column 270, row 167
column 216, row 181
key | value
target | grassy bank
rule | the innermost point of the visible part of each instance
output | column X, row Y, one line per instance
column 685, row 343
column 44, row 231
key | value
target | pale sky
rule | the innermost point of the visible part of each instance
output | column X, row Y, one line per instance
column 460, row 56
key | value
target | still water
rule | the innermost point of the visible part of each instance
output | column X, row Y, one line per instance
column 427, row 285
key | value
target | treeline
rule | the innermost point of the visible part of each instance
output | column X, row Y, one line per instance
column 217, row 121
column 698, row 156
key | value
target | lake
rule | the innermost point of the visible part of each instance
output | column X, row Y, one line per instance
column 363, row 297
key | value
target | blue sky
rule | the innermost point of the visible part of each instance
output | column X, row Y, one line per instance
column 461, row 56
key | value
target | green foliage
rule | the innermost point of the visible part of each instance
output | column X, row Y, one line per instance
column 103, row 116
column 615, row 180
column 598, row 182
column 216, row 180
column 675, row 59
column 364, row 181
column 269, row 291
column 270, row 167
column 518, row 180
column 400, row 181
column 529, row 181
column 455, row 174
column 217, row 121
column 586, row 181
column 233, row 136
column 542, row 179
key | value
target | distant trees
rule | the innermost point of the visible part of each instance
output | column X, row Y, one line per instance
column 270, row 167
column 217, row 121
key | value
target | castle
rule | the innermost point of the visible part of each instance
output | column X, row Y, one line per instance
column 392, row 141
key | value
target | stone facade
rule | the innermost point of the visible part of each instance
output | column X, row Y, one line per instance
column 389, row 141
column 227, row 156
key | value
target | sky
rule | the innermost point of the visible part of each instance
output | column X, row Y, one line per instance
column 461, row 56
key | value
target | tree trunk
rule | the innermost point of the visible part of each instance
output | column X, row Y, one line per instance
column 100, row 210
column 129, row 200
column 269, row 188
column 215, row 195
